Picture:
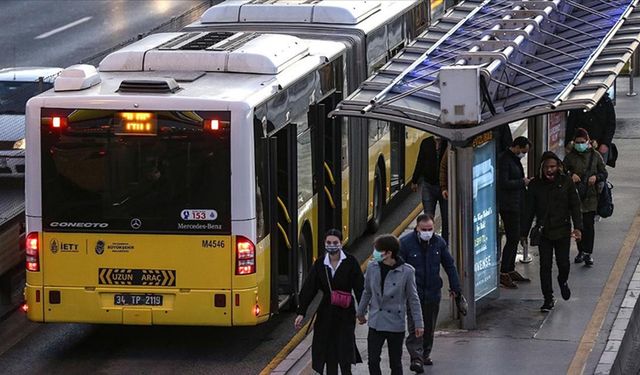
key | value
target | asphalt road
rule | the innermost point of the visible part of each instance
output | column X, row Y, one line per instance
column 33, row 348
column 63, row 32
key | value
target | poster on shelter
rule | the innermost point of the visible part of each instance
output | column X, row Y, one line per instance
column 484, row 220
column 556, row 129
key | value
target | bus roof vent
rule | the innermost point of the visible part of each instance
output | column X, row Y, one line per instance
column 240, row 53
column 159, row 86
column 337, row 12
column 214, row 41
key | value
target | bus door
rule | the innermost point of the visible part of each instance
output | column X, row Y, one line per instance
column 397, row 157
column 327, row 137
column 283, row 194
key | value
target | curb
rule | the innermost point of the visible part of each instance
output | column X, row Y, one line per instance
column 619, row 348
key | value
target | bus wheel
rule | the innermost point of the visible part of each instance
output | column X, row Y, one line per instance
column 301, row 268
column 378, row 201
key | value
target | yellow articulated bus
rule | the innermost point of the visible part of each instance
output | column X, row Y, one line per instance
column 189, row 180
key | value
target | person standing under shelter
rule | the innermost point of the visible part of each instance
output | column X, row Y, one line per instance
column 553, row 201
column 599, row 122
column 512, row 185
column 427, row 175
column 586, row 168
column 389, row 287
column 426, row 251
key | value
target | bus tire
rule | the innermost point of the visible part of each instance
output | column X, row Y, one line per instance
column 378, row 201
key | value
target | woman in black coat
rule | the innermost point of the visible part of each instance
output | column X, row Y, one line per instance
column 334, row 341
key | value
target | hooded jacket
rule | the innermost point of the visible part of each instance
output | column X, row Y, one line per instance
column 554, row 204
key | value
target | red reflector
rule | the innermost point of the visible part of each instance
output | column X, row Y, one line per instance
column 237, row 299
column 58, row 122
column 37, row 296
column 245, row 256
column 24, row 307
column 256, row 310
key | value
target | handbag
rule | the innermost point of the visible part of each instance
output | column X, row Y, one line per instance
column 461, row 304
column 605, row 200
column 338, row 297
column 535, row 235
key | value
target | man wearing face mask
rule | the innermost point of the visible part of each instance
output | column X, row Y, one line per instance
column 553, row 200
column 423, row 249
column 512, row 185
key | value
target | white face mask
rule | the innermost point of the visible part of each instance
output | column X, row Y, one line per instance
column 425, row 235
column 521, row 155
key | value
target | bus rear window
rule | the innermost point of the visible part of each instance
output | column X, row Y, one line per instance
column 153, row 172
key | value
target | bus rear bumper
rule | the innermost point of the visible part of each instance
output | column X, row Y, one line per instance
column 178, row 306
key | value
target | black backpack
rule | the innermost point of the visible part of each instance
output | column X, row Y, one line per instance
column 605, row 200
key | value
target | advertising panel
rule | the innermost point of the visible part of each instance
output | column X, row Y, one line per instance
column 556, row 128
column 484, row 219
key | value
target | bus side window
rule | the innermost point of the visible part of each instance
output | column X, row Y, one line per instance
column 345, row 142
column 419, row 18
column 305, row 161
column 261, row 170
column 377, row 49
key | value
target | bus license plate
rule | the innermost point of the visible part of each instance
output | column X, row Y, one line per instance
column 137, row 300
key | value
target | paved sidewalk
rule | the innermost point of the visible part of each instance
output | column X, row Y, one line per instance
column 513, row 336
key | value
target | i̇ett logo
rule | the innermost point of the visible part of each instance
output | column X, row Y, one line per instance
column 54, row 245
column 100, row 247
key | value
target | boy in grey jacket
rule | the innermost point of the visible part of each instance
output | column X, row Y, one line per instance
column 389, row 285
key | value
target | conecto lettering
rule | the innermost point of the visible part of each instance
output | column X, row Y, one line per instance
column 65, row 224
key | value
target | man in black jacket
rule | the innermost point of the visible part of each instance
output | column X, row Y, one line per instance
column 553, row 200
column 512, row 185
column 599, row 122
column 427, row 173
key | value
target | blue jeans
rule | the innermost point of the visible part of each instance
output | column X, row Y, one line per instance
column 431, row 195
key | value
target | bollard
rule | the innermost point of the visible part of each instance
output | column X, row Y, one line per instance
column 632, row 73
column 526, row 258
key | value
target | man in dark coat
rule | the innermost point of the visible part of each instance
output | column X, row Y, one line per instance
column 426, row 251
column 512, row 185
column 427, row 174
column 599, row 122
column 553, row 200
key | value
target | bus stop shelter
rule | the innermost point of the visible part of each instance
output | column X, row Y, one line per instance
column 485, row 64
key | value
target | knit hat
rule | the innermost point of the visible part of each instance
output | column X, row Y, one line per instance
column 581, row 133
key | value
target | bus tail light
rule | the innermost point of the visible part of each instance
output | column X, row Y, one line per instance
column 212, row 125
column 245, row 256
column 32, row 249
column 58, row 122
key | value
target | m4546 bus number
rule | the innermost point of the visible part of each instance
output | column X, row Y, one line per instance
column 212, row 243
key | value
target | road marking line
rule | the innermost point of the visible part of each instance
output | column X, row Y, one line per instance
column 63, row 28
column 301, row 334
column 590, row 335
